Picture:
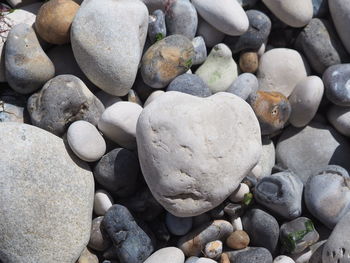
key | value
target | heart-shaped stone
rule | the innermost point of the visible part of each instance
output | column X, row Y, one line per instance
column 327, row 195
column 195, row 151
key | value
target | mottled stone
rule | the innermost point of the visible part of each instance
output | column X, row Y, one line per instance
column 167, row 254
column 190, row 84
column 27, row 65
column 46, row 198
column 250, row 254
column 165, row 60
column 212, row 250
column 272, row 110
column 244, row 85
column 54, row 110
column 49, row 23
column 131, row 243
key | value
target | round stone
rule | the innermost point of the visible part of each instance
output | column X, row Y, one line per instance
column 238, row 240
column 178, row 226
column 156, row 26
column 283, row 259
column 213, row 249
column 54, row 20
column 102, row 202
column 167, row 254
column 190, row 84
column 46, row 197
column 249, row 62
column 244, row 85
column 98, row 241
column 85, row 141
column 339, row 117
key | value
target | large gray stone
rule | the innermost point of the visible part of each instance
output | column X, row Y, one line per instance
column 110, row 55
column 46, row 198
column 195, row 151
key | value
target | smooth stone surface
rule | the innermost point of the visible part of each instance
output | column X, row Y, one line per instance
column 244, row 85
column 205, row 260
column 154, row 95
column 320, row 44
column 320, row 8
column 24, row 15
column 336, row 80
column 118, row 123
column 117, row 172
column 27, row 65
column 54, row 20
column 192, row 260
column 281, row 69
column 295, row 13
column 102, row 202
column 114, row 67
column 131, row 243
column 337, row 247
column 210, row 34
column 305, row 100
column 213, row 249
column 267, row 160
column 19, row 3
column 327, row 195
column 340, row 12
column 238, row 240
column 297, row 235
column 156, row 26
column 238, row 195
column 339, row 117
column 281, row 193
column 297, row 145
column 165, row 60
column 181, row 18
column 272, row 110
column 107, row 99
column 249, row 62
column 262, row 228
column 219, row 70
column 87, row 257
column 85, row 141
column 194, row 242
column 43, row 218
column 190, row 84
column 250, row 254
column 283, row 259
column 98, row 241
column 54, row 110
column 200, row 50
column 178, row 226
column 258, row 32
column 168, row 254
column 226, row 16
column 210, row 153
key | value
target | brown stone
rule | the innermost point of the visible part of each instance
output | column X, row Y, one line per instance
column 249, row 62
column 238, row 240
column 54, row 20
column 224, row 258
column 272, row 110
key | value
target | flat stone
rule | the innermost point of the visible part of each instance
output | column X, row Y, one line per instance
column 190, row 84
column 296, row 149
column 327, row 195
column 114, row 67
column 280, row 69
column 320, row 44
column 262, row 228
column 54, row 110
column 244, row 85
column 295, row 13
column 168, row 254
column 219, row 70
column 172, row 142
column 250, row 254
column 85, row 141
column 165, row 60
column 47, row 217
column 27, row 65
column 113, row 125
column 305, row 100
column 226, row 16
column 337, row 247
column 339, row 117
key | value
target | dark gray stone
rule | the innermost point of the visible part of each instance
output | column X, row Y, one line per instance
column 258, row 32
column 178, row 226
column 63, row 100
column 336, row 80
column 320, row 44
column 200, row 50
column 233, row 210
column 244, row 85
column 281, row 193
column 300, row 150
column 181, row 18
column 327, row 195
column 320, row 8
column 156, row 26
column 262, row 228
column 117, row 172
column 250, row 255
column 131, row 242
column 297, row 235
column 247, row 4
column 190, row 84
column 27, row 67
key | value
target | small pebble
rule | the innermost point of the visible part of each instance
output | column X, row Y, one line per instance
column 238, row 195
column 249, row 62
column 244, row 85
column 339, row 117
column 283, row 259
column 238, row 240
column 237, row 224
column 102, row 202
column 87, row 257
column 200, row 50
column 156, row 26
column 133, row 97
column 98, row 241
column 213, row 249
column 178, row 226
